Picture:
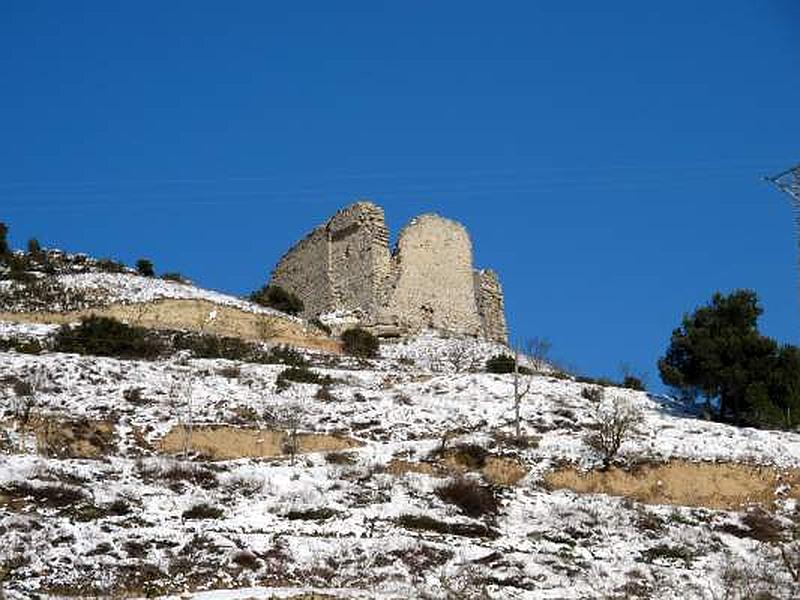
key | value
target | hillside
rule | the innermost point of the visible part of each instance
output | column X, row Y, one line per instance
column 61, row 288
column 97, row 497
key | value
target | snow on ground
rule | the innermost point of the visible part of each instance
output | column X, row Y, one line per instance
column 27, row 331
column 336, row 523
column 129, row 288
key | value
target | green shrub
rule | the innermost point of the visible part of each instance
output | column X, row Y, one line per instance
column 176, row 277
column 145, row 268
column 360, row 342
column 203, row 511
column 206, row 345
column 300, row 375
column 25, row 346
column 103, row 336
column 426, row 523
column 503, row 363
column 107, row 265
column 4, row 249
column 273, row 296
column 286, row 355
column 633, row 383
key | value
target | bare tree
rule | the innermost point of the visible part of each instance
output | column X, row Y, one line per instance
column 181, row 398
column 538, row 350
column 616, row 420
column 461, row 357
column 290, row 417
column 521, row 389
column 24, row 400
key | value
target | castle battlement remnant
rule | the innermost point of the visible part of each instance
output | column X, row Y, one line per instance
column 345, row 268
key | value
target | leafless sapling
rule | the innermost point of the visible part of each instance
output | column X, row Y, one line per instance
column 616, row 420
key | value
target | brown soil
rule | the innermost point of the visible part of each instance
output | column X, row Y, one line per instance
column 192, row 315
column 79, row 438
column 503, row 471
column 401, row 467
column 224, row 443
column 725, row 486
column 497, row 470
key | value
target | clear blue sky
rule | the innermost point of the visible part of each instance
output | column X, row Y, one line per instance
column 606, row 156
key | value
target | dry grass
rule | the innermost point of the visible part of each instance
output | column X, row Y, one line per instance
column 226, row 443
column 725, row 486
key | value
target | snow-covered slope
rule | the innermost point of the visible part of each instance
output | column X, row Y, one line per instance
column 364, row 522
column 129, row 288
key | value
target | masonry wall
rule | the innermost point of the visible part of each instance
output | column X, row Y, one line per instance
column 428, row 282
column 434, row 284
column 358, row 258
column 305, row 270
column 489, row 296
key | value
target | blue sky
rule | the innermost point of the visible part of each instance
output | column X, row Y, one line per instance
column 606, row 157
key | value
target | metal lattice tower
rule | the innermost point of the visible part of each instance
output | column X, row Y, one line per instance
column 788, row 182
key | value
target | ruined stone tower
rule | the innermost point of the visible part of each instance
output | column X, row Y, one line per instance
column 345, row 267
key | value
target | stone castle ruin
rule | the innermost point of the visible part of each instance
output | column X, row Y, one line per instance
column 344, row 270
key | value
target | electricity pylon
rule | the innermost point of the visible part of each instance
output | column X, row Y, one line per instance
column 789, row 183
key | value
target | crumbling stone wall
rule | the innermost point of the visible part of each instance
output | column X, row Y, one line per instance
column 428, row 282
column 304, row 270
column 489, row 296
column 433, row 286
column 358, row 257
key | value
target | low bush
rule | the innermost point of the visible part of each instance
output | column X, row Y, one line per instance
column 176, row 277
column 601, row 381
column 108, row 265
column 232, row 372
column 324, row 394
column 321, row 326
column 286, row 355
column 470, row 456
column 203, row 511
column 473, row 498
column 762, row 526
column 213, row 346
column 103, row 336
column 360, row 342
column 666, row 552
column 145, row 268
column 273, row 296
column 633, row 383
column 134, row 396
column 340, row 458
column 300, row 375
column 243, row 486
column 178, row 472
column 311, row 514
column 426, row 523
column 50, row 495
column 503, row 363
column 25, row 346
column 246, row 560
column 593, row 393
